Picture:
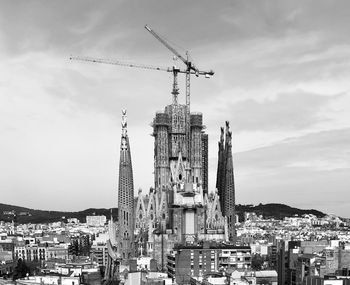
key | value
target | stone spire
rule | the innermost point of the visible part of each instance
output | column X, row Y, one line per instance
column 230, row 202
column 220, row 175
column 125, row 196
column 225, row 180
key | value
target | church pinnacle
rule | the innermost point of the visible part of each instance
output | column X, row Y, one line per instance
column 225, row 180
column 125, row 196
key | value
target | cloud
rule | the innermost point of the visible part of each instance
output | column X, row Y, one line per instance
column 289, row 111
column 303, row 171
column 280, row 69
column 118, row 24
column 326, row 150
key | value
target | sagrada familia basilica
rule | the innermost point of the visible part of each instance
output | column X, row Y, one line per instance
column 179, row 209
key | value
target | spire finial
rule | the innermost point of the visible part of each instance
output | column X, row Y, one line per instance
column 124, row 123
column 222, row 135
column 227, row 137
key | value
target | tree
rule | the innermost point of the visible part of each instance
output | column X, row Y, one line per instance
column 257, row 262
column 21, row 270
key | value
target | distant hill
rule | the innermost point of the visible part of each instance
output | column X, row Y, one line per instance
column 277, row 211
column 274, row 210
column 26, row 215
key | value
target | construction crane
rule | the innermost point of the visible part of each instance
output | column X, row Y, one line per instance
column 123, row 63
column 190, row 69
column 130, row 64
column 173, row 69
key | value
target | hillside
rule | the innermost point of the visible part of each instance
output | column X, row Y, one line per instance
column 273, row 210
column 42, row 216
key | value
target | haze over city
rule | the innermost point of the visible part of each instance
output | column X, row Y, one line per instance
column 281, row 79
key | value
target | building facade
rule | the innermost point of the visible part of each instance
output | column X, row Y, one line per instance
column 200, row 260
column 172, row 141
column 179, row 208
column 96, row 221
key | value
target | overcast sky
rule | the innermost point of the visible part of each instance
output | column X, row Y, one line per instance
column 281, row 78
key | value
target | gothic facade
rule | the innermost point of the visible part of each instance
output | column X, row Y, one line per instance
column 177, row 132
column 151, row 215
column 179, row 208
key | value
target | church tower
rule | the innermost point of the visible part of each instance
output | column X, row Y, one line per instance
column 225, row 180
column 180, row 165
column 179, row 135
column 125, row 196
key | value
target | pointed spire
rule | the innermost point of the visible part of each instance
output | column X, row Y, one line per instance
column 227, row 133
column 125, row 195
column 220, row 175
column 225, row 180
column 124, row 139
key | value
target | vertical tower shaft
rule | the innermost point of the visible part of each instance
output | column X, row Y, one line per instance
column 225, row 180
column 125, row 196
column 229, row 189
column 205, row 162
column 161, row 150
column 180, row 156
column 220, row 175
column 196, row 148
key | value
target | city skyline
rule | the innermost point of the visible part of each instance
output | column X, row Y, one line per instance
column 281, row 79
